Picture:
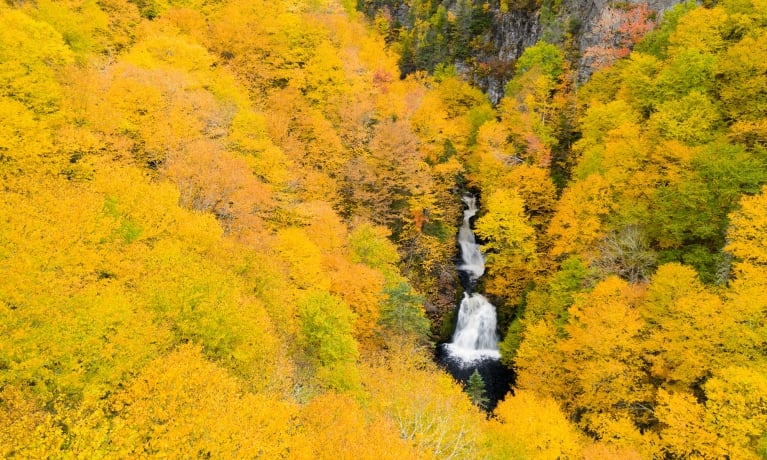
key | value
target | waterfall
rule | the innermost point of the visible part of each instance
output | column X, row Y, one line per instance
column 473, row 261
column 474, row 337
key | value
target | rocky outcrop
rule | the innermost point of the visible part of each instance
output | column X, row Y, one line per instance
column 483, row 39
column 511, row 33
column 589, row 13
column 515, row 30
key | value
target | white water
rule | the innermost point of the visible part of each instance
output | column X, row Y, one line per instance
column 473, row 261
column 474, row 337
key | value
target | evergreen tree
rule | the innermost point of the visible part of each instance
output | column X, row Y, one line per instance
column 402, row 312
column 475, row 388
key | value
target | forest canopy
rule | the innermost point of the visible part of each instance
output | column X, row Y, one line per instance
column 227, row 229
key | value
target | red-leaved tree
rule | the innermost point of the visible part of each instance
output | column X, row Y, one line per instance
column 617, row 30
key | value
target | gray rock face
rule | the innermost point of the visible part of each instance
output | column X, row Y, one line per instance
column 512, row 32
column 589, row 13
column 515, row 30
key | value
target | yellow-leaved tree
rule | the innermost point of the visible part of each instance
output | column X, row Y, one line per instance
column 685, row 327
column 532, row 427
column 747, row 298
column 510, row 244
column 182, row 405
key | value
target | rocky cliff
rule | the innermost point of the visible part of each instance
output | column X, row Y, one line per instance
column 573, row 23
column 483, row 38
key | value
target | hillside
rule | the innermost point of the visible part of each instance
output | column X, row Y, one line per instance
column 228, row 229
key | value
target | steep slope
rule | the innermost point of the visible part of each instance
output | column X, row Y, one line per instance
column 222, row 225
column 194, row 248
column 484, row 38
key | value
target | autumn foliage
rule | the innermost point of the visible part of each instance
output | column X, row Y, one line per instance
column 222, row 225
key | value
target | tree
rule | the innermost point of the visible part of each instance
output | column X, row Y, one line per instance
column 691, row 119
column 627, row 254
column 338, row 427
column 83, row 25
column 685, row 72
column 601, row 119
column 402, row 313
column 547, row 305
column 362, row 288
column 475, row 388
column 536, row 188
column 701, row 29
column 602, row 350
column 183, row 405
column 32, row 52
column 529, row 426
column 509, row 244
column 685, row 330
column 370, row 246
column 741, row 69
column 578, row 222
column 303, row 258
column 617, row 30
column 656, row 42
column 210, row 180
column 685, row 433
column 461, row 30
column 428, row 408
column 326, row 329
column 544, row 55
column 248, row 136
column 504, row 226
column 533, row 106
column 396, row 172
column 735, row 409
column 690, row 217
column 25, row 429
column 747, row 298
column 540, row 361
column 746, row 228
column 23, row 141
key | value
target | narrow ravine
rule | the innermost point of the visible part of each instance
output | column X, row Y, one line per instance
column 474, row 344
column 475, row 337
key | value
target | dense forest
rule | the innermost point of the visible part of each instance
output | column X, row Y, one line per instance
column 228, row 230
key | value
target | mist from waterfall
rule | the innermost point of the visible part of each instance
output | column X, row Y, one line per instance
column 475, row 337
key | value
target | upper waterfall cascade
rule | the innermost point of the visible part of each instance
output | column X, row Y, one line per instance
column 475, row 336
column 473, row 261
